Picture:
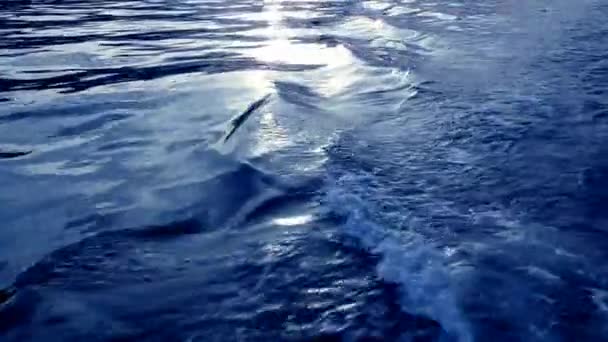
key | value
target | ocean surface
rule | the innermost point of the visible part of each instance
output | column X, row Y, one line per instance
column 247, row 170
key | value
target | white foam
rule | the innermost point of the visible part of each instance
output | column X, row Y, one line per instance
column 415, row 265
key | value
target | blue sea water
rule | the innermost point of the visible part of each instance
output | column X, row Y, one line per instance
column 421, row 170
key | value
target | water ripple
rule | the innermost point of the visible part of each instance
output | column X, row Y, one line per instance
column 395, row 170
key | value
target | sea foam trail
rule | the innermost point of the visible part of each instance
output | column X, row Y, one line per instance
column 408, row 261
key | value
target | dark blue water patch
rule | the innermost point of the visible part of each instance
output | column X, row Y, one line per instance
column 320, row 21
column 13, row 154
column 95, row 222
column 601, row 116
column 102, row 245
column 594, row 180
column 145, row 11
column 85, row 108
column 325, row 39
column 564, row 303
column 237, row 26
column 6, row 294
column 203, row 57
column 83, row 80
column 297, row 94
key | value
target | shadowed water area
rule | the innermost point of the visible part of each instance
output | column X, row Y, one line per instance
column 303, row 170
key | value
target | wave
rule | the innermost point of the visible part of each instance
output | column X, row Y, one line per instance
column 406, row 260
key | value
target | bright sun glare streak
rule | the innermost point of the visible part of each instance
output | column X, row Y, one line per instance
column 280, row 48
column 293, row 220
column 270, row 136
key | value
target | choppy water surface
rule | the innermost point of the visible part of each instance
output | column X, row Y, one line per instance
column 421, row 171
